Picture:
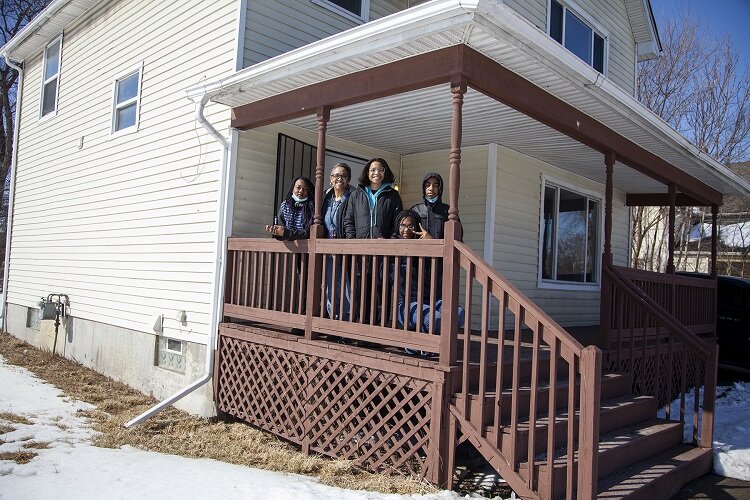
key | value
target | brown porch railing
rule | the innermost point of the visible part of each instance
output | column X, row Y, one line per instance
column 538, row 387
column 360, row 284
column 679, row 295
column 665, row 358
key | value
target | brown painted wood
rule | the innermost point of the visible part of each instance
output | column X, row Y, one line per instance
column 709, row 398
column 609, row 161
column 671, row 228
column 588, row 448
column 409, row 74
column 714, row 239
column 660, row 200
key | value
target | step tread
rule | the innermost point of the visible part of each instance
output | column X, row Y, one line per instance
column 612, row 441
column 642, row 476
column 526, row 387
column 607, row 406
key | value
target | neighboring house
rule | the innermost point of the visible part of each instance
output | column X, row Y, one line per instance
column 125, row 191
column 693, row 235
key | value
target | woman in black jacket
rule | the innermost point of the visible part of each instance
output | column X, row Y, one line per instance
column 371, row 213
column 373, row 206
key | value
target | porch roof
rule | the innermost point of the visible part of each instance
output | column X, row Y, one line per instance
column 385, row 82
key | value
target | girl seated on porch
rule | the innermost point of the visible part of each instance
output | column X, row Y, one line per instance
column 295, row 212
column 410, row 227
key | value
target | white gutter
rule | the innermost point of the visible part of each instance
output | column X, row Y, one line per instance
column 12, row 188
column 218, row 275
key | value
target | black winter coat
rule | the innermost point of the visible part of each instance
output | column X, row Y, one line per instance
column 357, row 214
column 433, row 217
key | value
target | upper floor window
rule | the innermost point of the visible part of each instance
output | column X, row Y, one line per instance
column 578, row 35
column 51, row 77
column 356, row 10
column 127, row 95
column 571, row 243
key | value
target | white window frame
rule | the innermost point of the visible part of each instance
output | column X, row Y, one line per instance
column 58, row 40
column 137, row 99
column 174, row 351
column 589, row 21
column 347, row 13
column 569, row 285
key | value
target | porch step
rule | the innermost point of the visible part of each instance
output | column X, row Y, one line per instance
column 661, row 476
column 525, row 367
column 615, row 413
column 613, row 385
column 617, row 450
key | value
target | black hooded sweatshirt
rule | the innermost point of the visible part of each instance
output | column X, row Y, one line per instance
column 435, row 214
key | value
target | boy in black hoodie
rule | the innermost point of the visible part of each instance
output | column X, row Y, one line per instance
column 432, row 211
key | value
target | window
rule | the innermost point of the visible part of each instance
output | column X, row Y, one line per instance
column 51, row 78
column 356, row 10
column 295, row 158
column 570, row 246
column 577, row 35
column 170, row 354
column 126, row 101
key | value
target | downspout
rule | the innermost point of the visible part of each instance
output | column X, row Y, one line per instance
column 218, row 276
column 11, row 189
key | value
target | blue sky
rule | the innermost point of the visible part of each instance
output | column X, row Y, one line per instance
column 720, row 17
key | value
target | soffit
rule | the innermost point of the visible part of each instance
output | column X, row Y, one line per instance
column 47, row 25
column 420, row 121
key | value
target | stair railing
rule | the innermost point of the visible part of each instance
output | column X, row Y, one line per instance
column 503, row 330
column 665, row 358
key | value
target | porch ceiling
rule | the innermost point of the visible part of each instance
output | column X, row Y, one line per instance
column 420, row 121
column 408, row 119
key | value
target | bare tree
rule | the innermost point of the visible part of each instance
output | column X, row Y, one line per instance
column 700, row 89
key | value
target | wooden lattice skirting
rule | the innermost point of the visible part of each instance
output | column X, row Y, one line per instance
column 340, row 401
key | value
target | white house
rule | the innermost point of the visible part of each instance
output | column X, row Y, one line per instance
column 149, row 132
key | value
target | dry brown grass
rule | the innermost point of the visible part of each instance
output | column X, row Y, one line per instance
column 36, row 445
column 5, row 429
column 14, row 418
column 175, row 432
column 19, row 457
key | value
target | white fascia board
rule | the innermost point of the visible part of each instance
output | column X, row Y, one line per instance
column 536, row 44
column 390, row 31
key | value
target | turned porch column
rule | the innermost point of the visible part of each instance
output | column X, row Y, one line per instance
column 714, row 240
column 609, row 161
column 671, row 224
column 315, row 261
column 442, row 428
column 605, row 298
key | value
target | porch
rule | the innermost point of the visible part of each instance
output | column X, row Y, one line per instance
column 344, row 387
column 555, row 411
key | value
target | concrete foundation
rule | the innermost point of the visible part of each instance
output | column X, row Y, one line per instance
column 125, row 355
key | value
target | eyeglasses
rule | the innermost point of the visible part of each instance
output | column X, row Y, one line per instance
column 404, row 226
column 340, row 176
column 377, row 170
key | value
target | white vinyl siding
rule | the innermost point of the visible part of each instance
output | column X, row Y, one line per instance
column 517, row 216
column 125, row 225
column 277, row 26
column 612, row 16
